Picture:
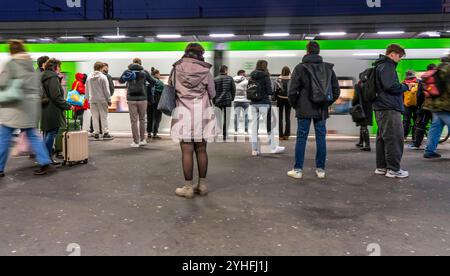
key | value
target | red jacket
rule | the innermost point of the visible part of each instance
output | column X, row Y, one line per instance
column 80, row 87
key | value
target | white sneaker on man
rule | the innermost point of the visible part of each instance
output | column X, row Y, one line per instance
column 398, row 174
column 320, row 173
column 143, row 143
column 380, row 171
column 134, row 145
column 295, row 173
column 278, row 150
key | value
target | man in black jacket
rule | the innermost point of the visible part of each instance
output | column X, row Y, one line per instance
column 112, row 87
column 225, row 93
column 301, row 92
column 388, row 110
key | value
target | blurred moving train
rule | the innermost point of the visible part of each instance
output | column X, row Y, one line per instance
column 349, row 56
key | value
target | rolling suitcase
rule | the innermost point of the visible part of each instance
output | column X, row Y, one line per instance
column 75, row 147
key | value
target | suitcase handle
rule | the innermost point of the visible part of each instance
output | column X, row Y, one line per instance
column 74, row 119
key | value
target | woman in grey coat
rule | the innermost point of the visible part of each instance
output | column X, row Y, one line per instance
column 24, row 114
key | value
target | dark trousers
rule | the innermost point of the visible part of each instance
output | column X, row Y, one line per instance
column 78, row 116
column 364, row 137
column 390, row 142
column 224, row 119
column 284, row 109
column 91, row 127
column 409, row 116
column 424, row 117
column 154, row 117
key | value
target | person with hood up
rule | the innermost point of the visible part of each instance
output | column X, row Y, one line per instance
column 97, row 91
column 79, row 85
column 54, row 104
column 284, row 107
column 440, row 107
column 25, row 114
column 193, row 121
column 137, row 87
column 241, row 103
column 260, row 109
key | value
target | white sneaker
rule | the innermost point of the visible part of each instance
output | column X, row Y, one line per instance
column 143, row 143
column 134, row 145
column 399, row 174
column 297, row 174
column 256, row 153
column 278, row 150
column 320, row 173
column 380, row 171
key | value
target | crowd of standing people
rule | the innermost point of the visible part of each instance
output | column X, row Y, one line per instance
column 310, row 89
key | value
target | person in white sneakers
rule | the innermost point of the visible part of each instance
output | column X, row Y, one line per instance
column 97, row 91
column 259, row 93
column 313, row 88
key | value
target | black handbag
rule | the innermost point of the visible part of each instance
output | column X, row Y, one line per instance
column 358, row 114
column 168, row 100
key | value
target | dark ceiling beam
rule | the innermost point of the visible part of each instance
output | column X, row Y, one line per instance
column 243, row 26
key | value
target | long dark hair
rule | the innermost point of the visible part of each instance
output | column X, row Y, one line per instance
column 262, row 65
column 285, row 72
column 195, row 51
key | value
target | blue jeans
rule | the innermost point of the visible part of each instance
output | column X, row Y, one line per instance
column 35, row 141
column 49, row 140
column 440, row 119
column 261, row 112
column 320, row 127
column 240, row 108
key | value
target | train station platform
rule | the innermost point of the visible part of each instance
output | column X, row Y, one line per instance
column 123, row 203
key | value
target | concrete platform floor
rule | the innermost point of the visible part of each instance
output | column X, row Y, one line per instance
column 123, row 203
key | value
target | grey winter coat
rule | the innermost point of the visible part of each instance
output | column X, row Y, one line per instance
column 24, row 114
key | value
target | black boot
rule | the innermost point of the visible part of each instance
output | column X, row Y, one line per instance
column 360, row 144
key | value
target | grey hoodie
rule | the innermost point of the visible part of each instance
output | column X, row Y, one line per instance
column 97, row 88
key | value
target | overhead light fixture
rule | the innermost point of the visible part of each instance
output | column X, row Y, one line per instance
column 433, row 34
column 333, row 33
column 390, row 32
column 365, row 54
column 114, row 36
column 221, row 35
column 281, row 55
column 277, row 34
column 168, row 36
column 72, row 37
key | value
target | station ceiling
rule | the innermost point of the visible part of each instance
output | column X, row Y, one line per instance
column 355, row 27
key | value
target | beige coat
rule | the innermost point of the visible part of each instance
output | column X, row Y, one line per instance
column 194, row 117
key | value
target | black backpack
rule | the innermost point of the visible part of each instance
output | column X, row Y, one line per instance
column 369, row 84
column 255, row 91
column 284, row 84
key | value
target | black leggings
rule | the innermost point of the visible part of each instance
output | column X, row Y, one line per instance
column 187, row 150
